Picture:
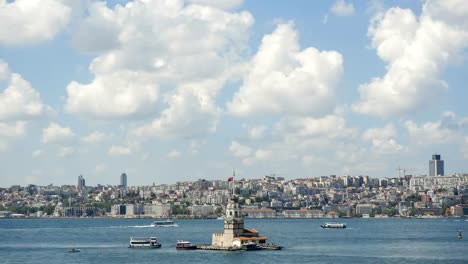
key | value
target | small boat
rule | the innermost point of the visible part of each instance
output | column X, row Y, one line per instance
column 333, row 225
column 150, row 242
column 251, row 246
column 164, row 223
column 74, row 250
column 185, row 245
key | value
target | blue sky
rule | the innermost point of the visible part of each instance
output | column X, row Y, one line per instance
column 170, row 91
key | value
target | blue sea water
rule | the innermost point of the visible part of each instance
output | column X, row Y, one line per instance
column 364, row 241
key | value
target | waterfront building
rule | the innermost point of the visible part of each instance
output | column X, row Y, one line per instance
column 157, row 210
column 436, row 166
column 203, row 210
column 362, row 209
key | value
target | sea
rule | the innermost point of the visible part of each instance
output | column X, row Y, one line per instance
column 103, row 240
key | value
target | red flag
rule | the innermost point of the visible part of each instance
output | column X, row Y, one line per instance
column 230, row 179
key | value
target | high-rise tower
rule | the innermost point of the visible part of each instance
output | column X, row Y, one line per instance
column 123, row 180
column 436, row 166
column 81, row 182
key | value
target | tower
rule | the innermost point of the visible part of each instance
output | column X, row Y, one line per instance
column 81, row 182
column 436, row 166
column 123, row 180
column 233, row 222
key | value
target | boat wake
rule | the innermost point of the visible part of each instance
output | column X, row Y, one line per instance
column 140, row 226
column 174, row 225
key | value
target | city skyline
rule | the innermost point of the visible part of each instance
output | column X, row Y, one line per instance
column 182, row 90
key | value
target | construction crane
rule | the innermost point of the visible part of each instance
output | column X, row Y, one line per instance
column 404, row 170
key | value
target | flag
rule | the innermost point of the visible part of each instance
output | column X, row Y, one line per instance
column 230, row 179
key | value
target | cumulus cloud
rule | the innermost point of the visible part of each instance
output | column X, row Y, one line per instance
column 10, row 131
column 341, row 8
column 415, row 50
column 95, row 137
column 283, row 79
column 174, row 154
column 55, row 133
column 36, row 153
column 222, row 4
column 13, row 130
column 119, row 150
column 65, row 152
column 298, row 128
column 259, row 155
column 31, row 21
column 116, row 95
column 448, row 129
column 192, row 113
column 257, row 132
column 383, row 139
column 147, row 43
column 239, row 150
column 19, row 100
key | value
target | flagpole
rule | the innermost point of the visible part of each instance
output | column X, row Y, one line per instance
column 233, row 181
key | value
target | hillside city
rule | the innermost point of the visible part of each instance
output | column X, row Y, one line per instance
column 271, row 196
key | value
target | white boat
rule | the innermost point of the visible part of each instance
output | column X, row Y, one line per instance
column 163, row 223
column 181, row 244
column 74, row 250
column 333, row 225
column 149, row 242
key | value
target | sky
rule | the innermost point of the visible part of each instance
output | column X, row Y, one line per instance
column 180, row 90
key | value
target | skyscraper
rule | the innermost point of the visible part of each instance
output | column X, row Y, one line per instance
column 436, row 166
column 81, row 182
column 123, row 180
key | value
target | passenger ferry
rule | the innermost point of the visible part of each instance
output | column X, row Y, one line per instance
column 185, row 245
column 151, row 242
column 333, row 225
column 164, row 223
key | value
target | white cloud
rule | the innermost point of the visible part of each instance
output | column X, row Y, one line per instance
column 150, row 43
column 298, row 128
column 19, row 99
column 257, row 132
column 259, row 155
column 31, row 21
column 341, row 8
column 36, row 153
column 383, row 139
column 119, row 150
column 192, row 113
column 415, row 50
column 100, row 168
column 222, row 4
column 283, row 79
column 447, row 130
column 11, row 131
column 116, row 95
column 95, row 137
column 239, row 150
column 55, row 133
column 174, row 154
column 65, row 152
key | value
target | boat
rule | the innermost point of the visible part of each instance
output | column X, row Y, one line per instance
column 333, row 225
column 74, row 250
column 251, row 246
column 164, row 223
column 150, row 242
column 185, row 245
